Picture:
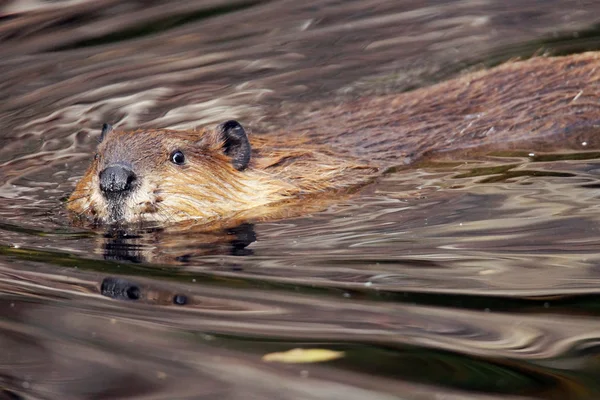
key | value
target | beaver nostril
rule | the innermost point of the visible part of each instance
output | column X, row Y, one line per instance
column 116, row 179
column 130, row 180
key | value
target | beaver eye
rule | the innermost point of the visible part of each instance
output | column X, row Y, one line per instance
column 177, row 157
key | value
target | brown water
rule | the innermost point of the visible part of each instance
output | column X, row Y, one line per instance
column 475, row 279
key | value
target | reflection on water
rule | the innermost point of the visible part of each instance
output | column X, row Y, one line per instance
column 480, row 285
column 463, row 278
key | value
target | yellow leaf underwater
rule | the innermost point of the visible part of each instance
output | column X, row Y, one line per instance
column 297, row 356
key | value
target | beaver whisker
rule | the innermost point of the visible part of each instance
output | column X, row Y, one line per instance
column 72, row 199
column 63, row 202
column 84, row 211
column 146, row 206
column 166, row 215
column 185, row 207
column 88, row 206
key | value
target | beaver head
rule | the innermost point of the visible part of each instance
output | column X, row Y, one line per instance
column 166, row 175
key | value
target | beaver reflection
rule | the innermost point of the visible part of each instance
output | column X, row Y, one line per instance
column 120, row 289
column 123, row 289
column 158, row 246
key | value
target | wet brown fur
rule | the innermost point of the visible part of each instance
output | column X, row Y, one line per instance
column 207, row 187
column 517, row 102
column 343, row 146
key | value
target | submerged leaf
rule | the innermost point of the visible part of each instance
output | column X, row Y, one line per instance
column 296, row 356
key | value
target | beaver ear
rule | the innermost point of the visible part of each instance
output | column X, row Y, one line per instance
column 106, row 129
column 236, row 144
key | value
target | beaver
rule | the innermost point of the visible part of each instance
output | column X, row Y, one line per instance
column 208, row 174
column 162, row 175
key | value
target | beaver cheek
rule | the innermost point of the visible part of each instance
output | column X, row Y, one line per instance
column 97, row 205
column 142, row 200
column 147, row 208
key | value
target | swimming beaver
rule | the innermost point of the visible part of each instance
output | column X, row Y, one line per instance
column 165, row 175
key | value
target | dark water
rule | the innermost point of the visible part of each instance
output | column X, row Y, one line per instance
column 472, row 279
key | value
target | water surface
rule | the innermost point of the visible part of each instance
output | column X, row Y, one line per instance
column 463, row 278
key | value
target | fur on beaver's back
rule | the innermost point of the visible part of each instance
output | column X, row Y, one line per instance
column 519, row 101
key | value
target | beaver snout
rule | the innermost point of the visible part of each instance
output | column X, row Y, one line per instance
column 116, row 179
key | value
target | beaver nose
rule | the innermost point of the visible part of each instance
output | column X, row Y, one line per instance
column 116, row 179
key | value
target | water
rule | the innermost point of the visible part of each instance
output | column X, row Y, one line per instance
column 472, row 277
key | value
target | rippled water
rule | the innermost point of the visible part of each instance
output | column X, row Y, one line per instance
column 464, row 278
